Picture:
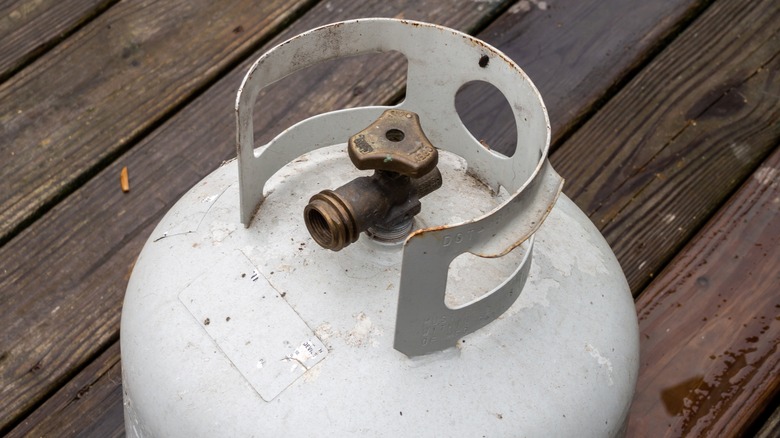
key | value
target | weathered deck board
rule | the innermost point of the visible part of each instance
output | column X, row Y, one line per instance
column 60, row 310
column 90, row 405
column 576, row 53
column 661, row 157
column 710, row 324
column 128, row 99
column 30, row 27
column 84, row 102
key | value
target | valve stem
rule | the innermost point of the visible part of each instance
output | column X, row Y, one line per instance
column 385, row 203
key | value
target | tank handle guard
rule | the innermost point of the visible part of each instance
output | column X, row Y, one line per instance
column 440, row 61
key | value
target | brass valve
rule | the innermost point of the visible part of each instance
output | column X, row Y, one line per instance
column 385, row 203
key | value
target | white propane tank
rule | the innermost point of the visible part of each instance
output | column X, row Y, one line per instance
column 493, row 307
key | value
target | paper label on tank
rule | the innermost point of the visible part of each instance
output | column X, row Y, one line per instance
column 253, row 325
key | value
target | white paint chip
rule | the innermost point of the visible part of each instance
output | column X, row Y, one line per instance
column 361, row 333
column 603, row 361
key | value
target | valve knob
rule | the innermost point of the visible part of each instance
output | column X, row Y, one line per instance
column 385, row 203
column 395, row 142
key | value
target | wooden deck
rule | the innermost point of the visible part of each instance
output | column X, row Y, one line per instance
column 666, row 120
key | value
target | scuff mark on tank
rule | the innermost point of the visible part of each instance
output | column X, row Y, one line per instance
column 362, row 333
column 221, row 231
column 191, row 223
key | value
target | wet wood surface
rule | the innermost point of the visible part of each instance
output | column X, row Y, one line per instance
column 659, row 159
column 63, row 311
column 698, row 376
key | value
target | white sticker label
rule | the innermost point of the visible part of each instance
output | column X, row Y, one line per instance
column 253, row 325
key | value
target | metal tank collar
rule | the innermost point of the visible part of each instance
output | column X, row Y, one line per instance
column 440, row 61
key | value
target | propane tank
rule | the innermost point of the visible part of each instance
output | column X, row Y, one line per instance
column 376, row 271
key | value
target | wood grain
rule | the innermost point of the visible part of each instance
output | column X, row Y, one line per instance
column 710, row 324
column 771, row 428
column 62, row 308
column 576, row 53
column 28, row 28
column 90, row 405
column 661, row 157
column 64, row 116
